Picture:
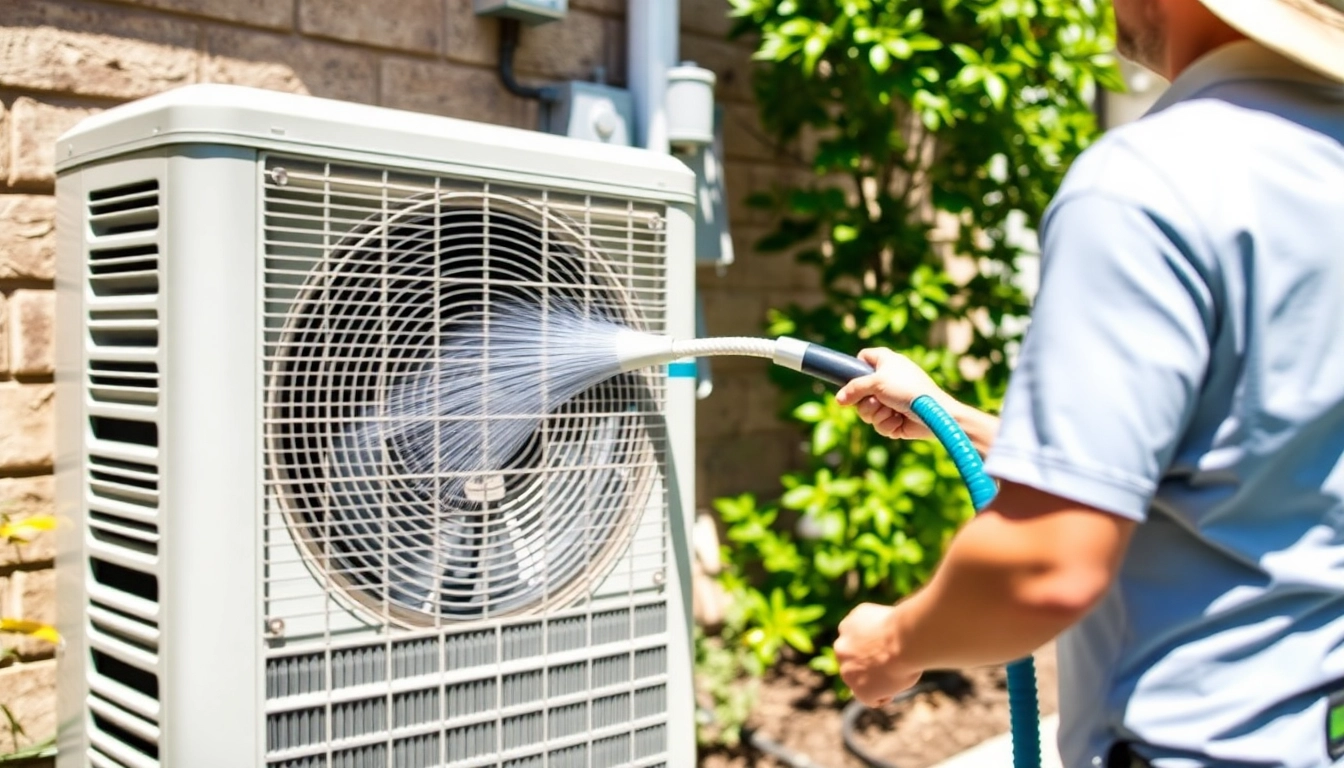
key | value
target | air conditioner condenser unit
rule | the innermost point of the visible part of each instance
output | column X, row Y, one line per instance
column 252, row 572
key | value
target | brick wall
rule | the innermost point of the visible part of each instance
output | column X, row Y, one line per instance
column 61, row 60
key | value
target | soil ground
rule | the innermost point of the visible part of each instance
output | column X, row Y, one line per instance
column 798, row 710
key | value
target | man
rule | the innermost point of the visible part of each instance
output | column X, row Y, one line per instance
column 1171, row 451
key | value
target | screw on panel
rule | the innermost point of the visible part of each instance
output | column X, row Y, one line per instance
column 604, row 123
column 280, row 176
column 275, row 627
column 658, row 578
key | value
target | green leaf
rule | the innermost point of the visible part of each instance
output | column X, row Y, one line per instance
column 869, row 542
column 748, row 532
column 799, row 638
column 916, row 478
column 809, row 412
column 909, row 551
column 966, row 53
column 780, row 556
column 735, row 508
column 971, row 74
column 825, row 436
column 877, row 456
column 844, row 233
column 825, row 662
column 808, row 613
column 781, row 324
column 879, row 59
column 1022, row 55
column 1109, row 76
column 812, row 51
column 925, row 43
column 798, row 498
column 845, row 488
column 833, row 565
column 997, row 89
column 742, row 7
column 883, row 520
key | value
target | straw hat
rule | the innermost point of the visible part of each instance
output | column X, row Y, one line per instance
column 1309, row 31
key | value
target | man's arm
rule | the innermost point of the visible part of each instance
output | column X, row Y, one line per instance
column 1105, row 386
column 1013, row 578
column 883, row 399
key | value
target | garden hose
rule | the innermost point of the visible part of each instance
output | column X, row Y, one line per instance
column 849, row 721
column 634, row 349
column 838, row 368
column 1023, row 708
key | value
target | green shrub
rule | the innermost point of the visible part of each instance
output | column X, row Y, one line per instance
column 934, row 129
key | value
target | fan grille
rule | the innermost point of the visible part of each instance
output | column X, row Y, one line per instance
column 365, row 275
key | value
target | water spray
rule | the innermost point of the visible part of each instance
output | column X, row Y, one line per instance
column 466, row 415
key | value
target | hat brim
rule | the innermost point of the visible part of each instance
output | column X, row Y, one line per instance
column 1306, row 31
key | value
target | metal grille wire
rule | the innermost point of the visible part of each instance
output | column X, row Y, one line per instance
column 367, row 276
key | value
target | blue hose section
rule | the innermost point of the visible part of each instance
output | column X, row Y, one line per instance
column 959, row 447
column 1024, row 713
column 1023, row 708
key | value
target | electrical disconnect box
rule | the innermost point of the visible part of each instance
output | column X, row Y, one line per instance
column 593, row 112
column 526, row 11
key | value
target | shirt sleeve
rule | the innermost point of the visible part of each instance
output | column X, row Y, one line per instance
column 1112, row 362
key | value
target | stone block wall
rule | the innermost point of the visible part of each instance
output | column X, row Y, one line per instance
column 62, row 60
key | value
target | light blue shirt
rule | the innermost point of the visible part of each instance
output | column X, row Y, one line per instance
column 1185, row 369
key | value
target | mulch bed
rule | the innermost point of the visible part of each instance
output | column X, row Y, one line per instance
column 798, row 709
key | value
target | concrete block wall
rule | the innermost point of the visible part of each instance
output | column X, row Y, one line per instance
column 62, row 60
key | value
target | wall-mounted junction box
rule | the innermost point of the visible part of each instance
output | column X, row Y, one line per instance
column 526, row 11
column 592, row 111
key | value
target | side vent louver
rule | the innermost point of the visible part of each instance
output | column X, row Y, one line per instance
column 127, row 208
column 122, row 482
